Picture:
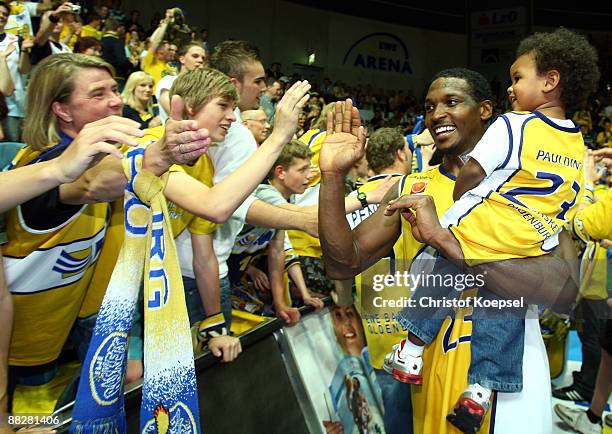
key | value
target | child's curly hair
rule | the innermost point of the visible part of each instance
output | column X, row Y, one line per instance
column 571, row 55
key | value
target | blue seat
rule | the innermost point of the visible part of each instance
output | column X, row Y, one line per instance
column 8, row 150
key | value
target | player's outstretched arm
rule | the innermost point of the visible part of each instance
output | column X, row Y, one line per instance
column 346, row 253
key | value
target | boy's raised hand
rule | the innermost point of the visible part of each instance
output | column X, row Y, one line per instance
column 288, row 110
column 344, row 144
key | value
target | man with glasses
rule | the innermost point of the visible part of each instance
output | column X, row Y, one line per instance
column 257, row 122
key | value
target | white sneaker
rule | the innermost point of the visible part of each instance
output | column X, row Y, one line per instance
column 577, row 419
column 405, row 369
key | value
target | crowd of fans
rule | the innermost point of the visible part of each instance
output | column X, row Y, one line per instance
column 262, row 255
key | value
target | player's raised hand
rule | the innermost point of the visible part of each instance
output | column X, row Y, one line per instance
column 183, row 142
column 288, row 110
column 344, row 143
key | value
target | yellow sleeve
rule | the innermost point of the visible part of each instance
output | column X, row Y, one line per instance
column 600, row 191
column 202, row 171
column 200, row 226
column 595, row 221
column 176, row 168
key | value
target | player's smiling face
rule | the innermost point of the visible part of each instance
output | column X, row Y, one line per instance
column 454, row 119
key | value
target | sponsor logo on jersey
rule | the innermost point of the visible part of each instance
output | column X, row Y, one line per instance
column 418, row 188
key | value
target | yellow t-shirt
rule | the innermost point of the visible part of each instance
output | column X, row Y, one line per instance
column 314, row 139
column 593, row 266
column 203, row 171
column 91, row 32
column 73, row 39
column 156, row 68
column 447, row 359
column 180, row 219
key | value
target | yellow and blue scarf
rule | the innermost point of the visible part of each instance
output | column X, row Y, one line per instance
column 169, row 392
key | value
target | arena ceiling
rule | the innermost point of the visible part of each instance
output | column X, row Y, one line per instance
column 451, row 16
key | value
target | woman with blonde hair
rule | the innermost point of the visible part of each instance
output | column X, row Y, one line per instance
column 138, row 100
column 73, row 109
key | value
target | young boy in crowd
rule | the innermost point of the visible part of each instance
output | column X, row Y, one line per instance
column 209, row 98
column 514, row 194
column 288, row 177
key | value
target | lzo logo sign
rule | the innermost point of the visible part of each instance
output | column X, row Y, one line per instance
column 380, row 52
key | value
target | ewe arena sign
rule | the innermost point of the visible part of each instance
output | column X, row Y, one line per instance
column 383, row 52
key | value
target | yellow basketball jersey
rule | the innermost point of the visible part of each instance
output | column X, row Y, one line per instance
column 303, row 243
column 48, row 272
column 314, row 139
column 113, row 240
column 519, row 209
column 447, row 359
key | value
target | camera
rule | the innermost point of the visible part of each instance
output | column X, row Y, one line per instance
column 75, row 9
